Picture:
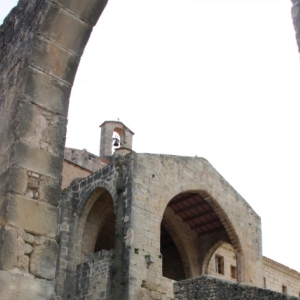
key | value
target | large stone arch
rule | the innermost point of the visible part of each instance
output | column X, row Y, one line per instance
column 178, row 234
column 209, row 254
column 41, row 43
column 204, row 190
column 226, row 218
column 39, row 57
column 184, row 184
column 78, row 202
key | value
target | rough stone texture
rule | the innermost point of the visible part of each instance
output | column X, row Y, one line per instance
column 72, row 171
column 19, row 287
column 147, row 183
column 42, row 260
column 26, row 237
column 85, row 159
column 216, row 289
column 157, row 179
column 23, row 248
column 23, row 263
column 39, row 240
column 94, row 277
column 9, row 248
column 77, row 205
column 227, row 252
column 41, row 42
column 13, row 180
column 34, row 217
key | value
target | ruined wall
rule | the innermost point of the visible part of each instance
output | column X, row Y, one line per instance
column 78, row 201
column 206, row 287
column 94, row 277
column 41, row 42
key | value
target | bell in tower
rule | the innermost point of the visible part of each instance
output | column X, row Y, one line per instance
column 114, row 134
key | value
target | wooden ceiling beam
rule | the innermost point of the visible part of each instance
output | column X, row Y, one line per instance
column 183, row 198
column 189, row 207
column 199, row 215
column 211, row 231
column 204, row 224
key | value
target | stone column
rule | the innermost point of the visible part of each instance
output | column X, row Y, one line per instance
column 41, row 43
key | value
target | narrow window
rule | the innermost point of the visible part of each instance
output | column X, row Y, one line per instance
column 284, row 289
column 233, row 272
column 219, row 264
column 265, row 282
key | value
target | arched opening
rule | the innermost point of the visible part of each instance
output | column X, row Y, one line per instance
column 116, row 141
column 172, row 266
column 106, row 236
column 190, row 229
column 223, row 263
column 120, row 133
column 99, row 231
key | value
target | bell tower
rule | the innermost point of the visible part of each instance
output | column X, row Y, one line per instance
column 117, row 132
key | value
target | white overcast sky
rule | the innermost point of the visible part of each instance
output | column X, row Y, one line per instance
column 213, row 78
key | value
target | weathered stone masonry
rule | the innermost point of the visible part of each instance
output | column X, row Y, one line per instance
column 206, row 287
column 41, row 42
column 94, row 277
column 76, row 206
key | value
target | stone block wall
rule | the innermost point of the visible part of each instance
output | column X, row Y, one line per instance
column 41, row 42
column 159, row 178
column 72, row 171
column 229, row 259
column 277, row 275
column 94, row 277
column 77, row 202
column 211, row 288
column 85, row 159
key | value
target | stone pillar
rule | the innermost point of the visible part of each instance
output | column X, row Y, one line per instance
column 41, row 43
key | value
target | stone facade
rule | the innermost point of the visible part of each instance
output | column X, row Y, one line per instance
column 45, row 235
column 93, row 277
column 137, row 190
column 85, row 159
column 277, row 277
column 41, row 42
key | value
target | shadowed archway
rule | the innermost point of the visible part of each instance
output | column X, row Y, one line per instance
column 196, row 232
